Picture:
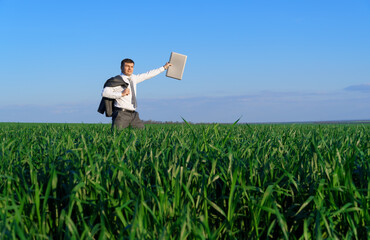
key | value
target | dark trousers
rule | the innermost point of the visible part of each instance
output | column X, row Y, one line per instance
column 124, row 118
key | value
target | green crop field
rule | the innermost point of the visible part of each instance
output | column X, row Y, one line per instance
column 183, row 181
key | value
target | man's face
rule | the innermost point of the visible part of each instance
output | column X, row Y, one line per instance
column 128, row 69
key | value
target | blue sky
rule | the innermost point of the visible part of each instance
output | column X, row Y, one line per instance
column 263, row 61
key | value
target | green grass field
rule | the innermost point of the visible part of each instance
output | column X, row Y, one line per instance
column 81, row 181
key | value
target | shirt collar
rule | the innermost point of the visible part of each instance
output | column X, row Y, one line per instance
column 126, row 78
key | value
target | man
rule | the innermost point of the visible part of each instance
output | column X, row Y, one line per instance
column 125, row 93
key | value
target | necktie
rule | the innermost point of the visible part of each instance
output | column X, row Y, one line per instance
column 133, row 98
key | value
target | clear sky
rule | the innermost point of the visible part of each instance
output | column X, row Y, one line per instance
column 263, row 61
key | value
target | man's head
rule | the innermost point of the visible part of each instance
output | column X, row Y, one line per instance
column 127, row 66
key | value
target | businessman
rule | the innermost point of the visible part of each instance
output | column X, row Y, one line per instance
column 122, row 92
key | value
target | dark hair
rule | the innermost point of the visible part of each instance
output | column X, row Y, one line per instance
column 126, row 60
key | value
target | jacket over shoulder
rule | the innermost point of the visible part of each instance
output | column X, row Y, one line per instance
column 106, row 104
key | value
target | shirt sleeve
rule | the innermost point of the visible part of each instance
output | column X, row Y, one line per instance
column 152, row 73
column 111, row 92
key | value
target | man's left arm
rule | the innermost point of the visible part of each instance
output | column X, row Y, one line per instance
column 144, row 76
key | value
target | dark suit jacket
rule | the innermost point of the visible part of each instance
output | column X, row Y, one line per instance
column 106, row 104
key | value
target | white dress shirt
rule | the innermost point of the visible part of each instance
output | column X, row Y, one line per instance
column 129, row 102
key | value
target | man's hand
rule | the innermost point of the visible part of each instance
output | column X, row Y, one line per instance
column 126, row 92
column 167, row 65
